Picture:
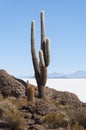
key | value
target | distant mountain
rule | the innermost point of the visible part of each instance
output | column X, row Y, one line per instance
column 77, row 74
column 56, row 75
column 25, row 77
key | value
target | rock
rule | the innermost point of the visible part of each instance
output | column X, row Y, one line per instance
column 38, row 118
column 31, row 121
column 59, row 129
column 41, row 107
column 4, row 125
column 9, row 86
column 27, row 115
column 21, row 81
column 38, row 127
column 63, row 98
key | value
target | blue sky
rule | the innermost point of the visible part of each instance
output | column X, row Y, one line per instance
column 65, row 26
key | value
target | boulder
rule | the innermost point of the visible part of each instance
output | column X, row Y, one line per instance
column 10, row 86
column 63, row 97
column 38, row 127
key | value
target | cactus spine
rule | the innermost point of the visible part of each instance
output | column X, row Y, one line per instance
column 40, row 67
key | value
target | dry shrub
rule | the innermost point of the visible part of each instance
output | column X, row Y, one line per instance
column 12, row 100
column 55, row 102
column 77, row 115
column 55, row 120
column 10, row 115
column 81, row 116
column 77, row 127
column 1, row 97
column 21, row 102
column 71, row 114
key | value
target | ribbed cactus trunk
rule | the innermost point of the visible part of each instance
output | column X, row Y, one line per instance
column 40, row 67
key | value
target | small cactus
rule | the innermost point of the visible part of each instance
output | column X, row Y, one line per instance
column 40, row 67
column 30, row 92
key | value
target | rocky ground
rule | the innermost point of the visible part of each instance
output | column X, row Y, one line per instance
column 59, row 110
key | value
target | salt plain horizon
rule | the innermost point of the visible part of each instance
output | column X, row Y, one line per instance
column 76, row 86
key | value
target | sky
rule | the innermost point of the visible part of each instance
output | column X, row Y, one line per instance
column 65, row 22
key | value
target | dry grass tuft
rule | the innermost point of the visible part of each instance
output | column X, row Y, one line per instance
column 21, row 102
column 10, row 114
column 56, row 120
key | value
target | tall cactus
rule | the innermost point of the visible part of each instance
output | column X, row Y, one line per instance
column 40, row 67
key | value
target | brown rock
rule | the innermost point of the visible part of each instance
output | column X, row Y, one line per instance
column 38, row 118
column 9, row 86
column 38, row 127
column 63, row 98
column 41, row 107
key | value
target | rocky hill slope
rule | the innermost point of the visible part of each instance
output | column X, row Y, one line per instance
column 59, row 110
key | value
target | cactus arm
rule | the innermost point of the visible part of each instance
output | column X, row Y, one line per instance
column 44, row 42
column 41, row 57
column 43, row 37
column 33, row 48
column 47, row 52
